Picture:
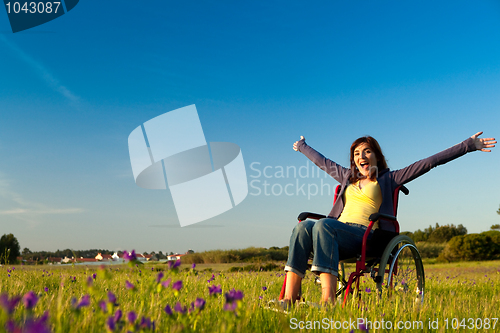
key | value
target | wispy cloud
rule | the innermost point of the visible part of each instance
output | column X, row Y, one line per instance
column 43, row 72
column 27, row 210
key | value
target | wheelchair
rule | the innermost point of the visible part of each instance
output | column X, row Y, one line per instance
column 390, row 259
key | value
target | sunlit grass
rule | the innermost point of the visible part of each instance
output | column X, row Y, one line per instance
column 459, row 290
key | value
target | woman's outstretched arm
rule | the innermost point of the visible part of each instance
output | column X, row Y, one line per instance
column 335, row 170
column 419, row 168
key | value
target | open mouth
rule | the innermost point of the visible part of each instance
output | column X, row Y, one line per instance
column 364, row 165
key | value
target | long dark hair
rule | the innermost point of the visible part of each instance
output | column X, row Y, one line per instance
column 375, row 147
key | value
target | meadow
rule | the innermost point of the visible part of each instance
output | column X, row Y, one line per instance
column 161, row 298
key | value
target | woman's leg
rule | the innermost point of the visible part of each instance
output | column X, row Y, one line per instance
column 292, row 287
column 301, row 245
column 333, row 239
column 328, row 287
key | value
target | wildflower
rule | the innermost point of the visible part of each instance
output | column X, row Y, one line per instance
column 362, row 327
column 233, row 296
column 179, row 308
column 264, row 288
column 111, row 298
column 168, row 310
column 84, row 301
column 177, row 285
column 29, row 300
column 102, row 305
column 193, row 266
column 89, row 281
column 131, row 317
column 174, row 265
column 211, row 279
column 94, row 276
column 368, row 290
column 129, row 285
column 159, row 277
column 110, row 324
column 37, row 325
column 215, row 290
column 166, row 283
column 200, row 303
column 9, row 305
column 130, row 256
column 118, row 315
column 46, row 289
column 261, row 297
column 145, row 323
column 230, row 306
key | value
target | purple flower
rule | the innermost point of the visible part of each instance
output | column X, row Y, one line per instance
column 110, row 324
column 37, row 325
column 94, row 276
column 211, row 279
column 46, row 289
column 264, row 288
column 174, row 265
column 230, row 306
column 111, row 298
column 200, row 303
column 368, row 290
column 362, row 327
column 179, row 308
column 177, row 285
column 118, row 315
column 129, row 285
column 166, row 283
column 9, row 305
column 102, row 305
column 89, row 281
column 29, row 300
column 233, row 296
column 193, row 265
column 168, row 310
column 145, row 323
column 215, row 290
column 130, row 256
column 159, row 277
column 84, row 301
column 131, row 317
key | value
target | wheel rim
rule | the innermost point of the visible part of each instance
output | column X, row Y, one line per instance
column 406, row 279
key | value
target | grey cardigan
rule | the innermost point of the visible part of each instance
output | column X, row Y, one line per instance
column 387, row 180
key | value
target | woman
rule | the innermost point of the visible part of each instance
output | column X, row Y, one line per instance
column 366, row 188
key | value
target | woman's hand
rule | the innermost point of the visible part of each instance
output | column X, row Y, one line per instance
column 481, row 144
column 297, row 142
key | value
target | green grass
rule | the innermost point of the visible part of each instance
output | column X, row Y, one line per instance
column 459, row 290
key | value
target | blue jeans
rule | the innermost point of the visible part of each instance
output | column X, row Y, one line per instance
column 329, row 240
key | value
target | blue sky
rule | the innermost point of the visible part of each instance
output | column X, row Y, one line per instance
column 419, row 76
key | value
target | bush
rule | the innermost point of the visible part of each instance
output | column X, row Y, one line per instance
column 430, row 250
column 251, row 254
column 483, row 246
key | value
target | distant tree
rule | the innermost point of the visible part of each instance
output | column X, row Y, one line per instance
column 190, row 251
column 9, row 249
column 498, row 211
column 444, row 233
column 26, row 251
column 495, row 227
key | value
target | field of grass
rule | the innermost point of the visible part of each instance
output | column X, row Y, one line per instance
column 147, row 298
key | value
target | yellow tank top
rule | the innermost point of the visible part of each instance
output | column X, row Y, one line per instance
column 359, row 204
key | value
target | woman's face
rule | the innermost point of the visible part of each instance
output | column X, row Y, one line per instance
column 364, row 158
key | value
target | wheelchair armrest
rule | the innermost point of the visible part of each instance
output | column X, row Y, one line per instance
column 306, row 215
column 375, row 216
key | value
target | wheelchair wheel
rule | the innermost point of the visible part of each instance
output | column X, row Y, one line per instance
column 401, row 271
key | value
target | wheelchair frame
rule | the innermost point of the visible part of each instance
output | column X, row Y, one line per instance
column 391, row 256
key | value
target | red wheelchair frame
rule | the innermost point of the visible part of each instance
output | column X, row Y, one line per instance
column 394, row 245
